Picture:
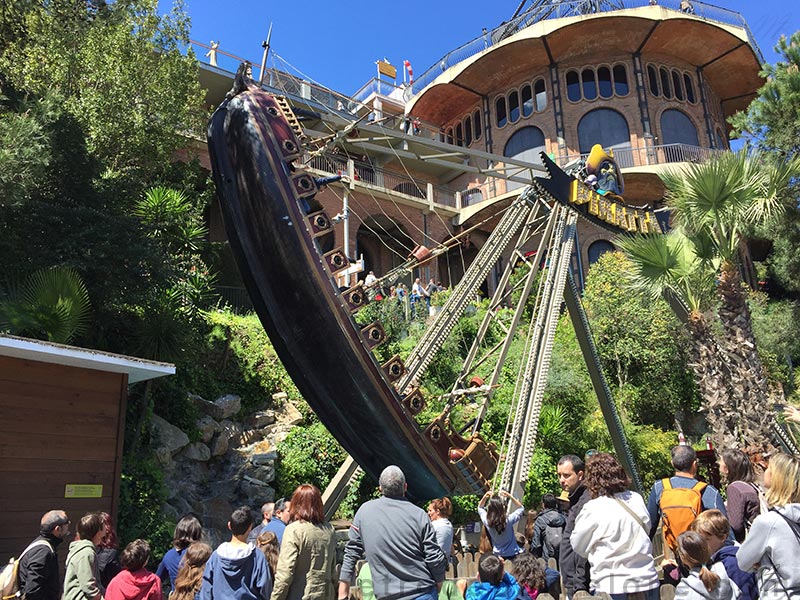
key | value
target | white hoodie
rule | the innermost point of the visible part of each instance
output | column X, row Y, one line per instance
column 617, row 545
column 769, row 546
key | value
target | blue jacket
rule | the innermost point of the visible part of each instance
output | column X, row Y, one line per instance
column 236, row 572
column 507, row 590
column 169, row 565
column 746, row 582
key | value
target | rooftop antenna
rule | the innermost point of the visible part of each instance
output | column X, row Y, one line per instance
column 265, row 45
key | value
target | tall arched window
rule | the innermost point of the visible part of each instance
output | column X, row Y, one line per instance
column 721, row 143
column 652, row 77
column 604, row 82
column 459, row 134
column 573, row 86
column 525, row 144
column 540, row 91
column 621, row 80
column 527, row 100
column 597, row 249
column 687, row 80
column 500, row 111
column 468, row 130
column 513, row 106
column 476, row 123
column 589, row 84
column 677, row 128
column 609, row 129
column 666, row 87
column 677, row 85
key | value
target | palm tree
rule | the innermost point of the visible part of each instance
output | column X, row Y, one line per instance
column 50, row 304
column 672, row 266
column 714, row 203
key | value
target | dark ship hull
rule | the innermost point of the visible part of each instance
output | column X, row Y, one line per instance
column 277, row 234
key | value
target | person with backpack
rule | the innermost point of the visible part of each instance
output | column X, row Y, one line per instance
column 677, row 500
column 773, row 544
column 548, row 529
column 38, row 564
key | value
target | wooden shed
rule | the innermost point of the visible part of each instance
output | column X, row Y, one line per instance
column 62, row 423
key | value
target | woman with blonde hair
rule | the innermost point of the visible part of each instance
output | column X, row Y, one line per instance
column 190, row 572
column 773, row 544
column 715, row 529
column 700, row 583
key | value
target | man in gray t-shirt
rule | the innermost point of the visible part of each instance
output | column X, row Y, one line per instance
column 399, row 543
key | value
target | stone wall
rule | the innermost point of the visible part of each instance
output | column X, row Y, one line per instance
column 231, row 465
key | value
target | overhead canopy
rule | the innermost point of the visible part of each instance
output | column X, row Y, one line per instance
column 730, row 64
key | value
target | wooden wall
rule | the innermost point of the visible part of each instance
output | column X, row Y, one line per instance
column 58, row 425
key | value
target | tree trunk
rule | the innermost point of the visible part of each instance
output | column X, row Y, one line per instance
column 711, row 374
column 749, row 386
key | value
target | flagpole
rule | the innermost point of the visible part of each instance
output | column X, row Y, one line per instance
column 265, row 45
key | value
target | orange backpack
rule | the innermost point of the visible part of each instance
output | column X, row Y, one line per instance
column 679, row 507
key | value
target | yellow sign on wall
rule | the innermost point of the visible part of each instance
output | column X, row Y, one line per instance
column 83, row 490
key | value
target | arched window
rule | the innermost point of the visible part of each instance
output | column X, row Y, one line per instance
column 468, row 131
column 677, row 128
column 609, row 129
column 604, row 82
column 652, row 77
column 500, row 111
column 677, row 85
column 525, row 144
column 527, row 100
column 721, row 143
column 589, row 84
column 689, row 84
column 513, row 106
column 597, row 249
column 459, row 134
column 573, row 86
column 540, row 91
column 476, row 123
column 620, row 80
column 666, row 88
column 449, row 135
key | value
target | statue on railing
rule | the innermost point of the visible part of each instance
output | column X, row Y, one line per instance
column 603, row 174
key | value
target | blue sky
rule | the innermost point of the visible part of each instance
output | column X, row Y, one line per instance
column 337, row 43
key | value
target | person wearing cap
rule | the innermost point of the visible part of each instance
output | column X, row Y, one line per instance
column 280, row 518
column 38, row 565
column 549, row 526
column 574, row 568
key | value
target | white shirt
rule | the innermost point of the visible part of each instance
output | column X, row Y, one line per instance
column 617, row 545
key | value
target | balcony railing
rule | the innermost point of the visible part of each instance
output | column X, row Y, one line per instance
column 652, row 155
column 625, row 157
column 559, row 10
column 365, row 172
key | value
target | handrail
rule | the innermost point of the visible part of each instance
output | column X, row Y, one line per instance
column 559, row 10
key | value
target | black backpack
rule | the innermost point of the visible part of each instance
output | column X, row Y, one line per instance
column 552, row 541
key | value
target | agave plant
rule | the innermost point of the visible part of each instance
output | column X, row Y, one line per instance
column 50, row 304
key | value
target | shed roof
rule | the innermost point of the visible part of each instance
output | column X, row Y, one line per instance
column 137, row 369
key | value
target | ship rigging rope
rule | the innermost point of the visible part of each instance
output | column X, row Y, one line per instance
column 405, row 169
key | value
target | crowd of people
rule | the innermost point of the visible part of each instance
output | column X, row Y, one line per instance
column 598, row 533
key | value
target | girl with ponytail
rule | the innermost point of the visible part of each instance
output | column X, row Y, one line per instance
column 701, row 583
